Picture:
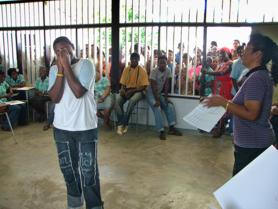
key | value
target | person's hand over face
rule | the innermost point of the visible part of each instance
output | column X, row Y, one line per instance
column 59, row 64
column 65, row 58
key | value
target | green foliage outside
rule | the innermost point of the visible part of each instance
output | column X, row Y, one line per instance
column 136, row 33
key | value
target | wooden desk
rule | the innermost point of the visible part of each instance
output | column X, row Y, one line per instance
column 3, row 107
column 26, row 89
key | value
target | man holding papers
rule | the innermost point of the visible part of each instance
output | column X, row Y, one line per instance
column 252, row 104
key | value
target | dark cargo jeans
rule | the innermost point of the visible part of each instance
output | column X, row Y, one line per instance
column 77, row 153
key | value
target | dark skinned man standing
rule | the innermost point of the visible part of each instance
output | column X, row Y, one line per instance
column 71, row 87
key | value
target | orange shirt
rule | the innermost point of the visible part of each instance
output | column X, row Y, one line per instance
column 134, row 77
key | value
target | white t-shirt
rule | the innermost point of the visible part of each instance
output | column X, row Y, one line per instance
column 71, row 113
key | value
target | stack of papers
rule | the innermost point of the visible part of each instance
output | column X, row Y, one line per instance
column 15, row 102
column 25, row 88
column 204, row 118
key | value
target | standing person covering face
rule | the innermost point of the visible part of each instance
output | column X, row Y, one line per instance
column 71, row 87
column 159, row 80
column 252, row 104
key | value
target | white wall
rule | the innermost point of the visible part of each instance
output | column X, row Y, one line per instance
column 182, row 105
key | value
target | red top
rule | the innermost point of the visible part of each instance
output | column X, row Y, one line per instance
column 223, row 84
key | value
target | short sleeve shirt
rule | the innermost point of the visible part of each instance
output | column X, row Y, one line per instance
column 42, row 85
column 208, row 78
column 4, row 86
column 134, row 77
column 71, row 113
column 20, row 79
column 258, row 133
column 100, row 86
column 160, row 77
column 237, row 69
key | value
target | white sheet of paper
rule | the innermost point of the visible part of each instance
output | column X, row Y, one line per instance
column 253, row 187
column 25, row 88
column 14, row 102
column 204, row 118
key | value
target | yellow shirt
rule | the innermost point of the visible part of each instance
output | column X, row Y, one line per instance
column 134, row 77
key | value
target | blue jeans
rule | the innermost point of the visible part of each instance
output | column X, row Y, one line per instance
column 123, row 117
column 50, row 112
column 274, row 123
column 77, row 153
column 17, row 115
column 167, row 108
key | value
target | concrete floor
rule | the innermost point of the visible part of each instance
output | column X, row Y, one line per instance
column 138, row 171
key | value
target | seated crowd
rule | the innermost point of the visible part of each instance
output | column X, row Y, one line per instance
column 222, row 73
column 135, row 86
column 10, row 91
column 17, row 113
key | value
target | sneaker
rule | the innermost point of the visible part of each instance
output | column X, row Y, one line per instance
column 46, row 127
column 174, row 131
column 125, row 129
column 162, row 135
column 120, row 130
column 5, row 128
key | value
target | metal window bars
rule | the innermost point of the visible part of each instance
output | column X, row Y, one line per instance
column 28, row 28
